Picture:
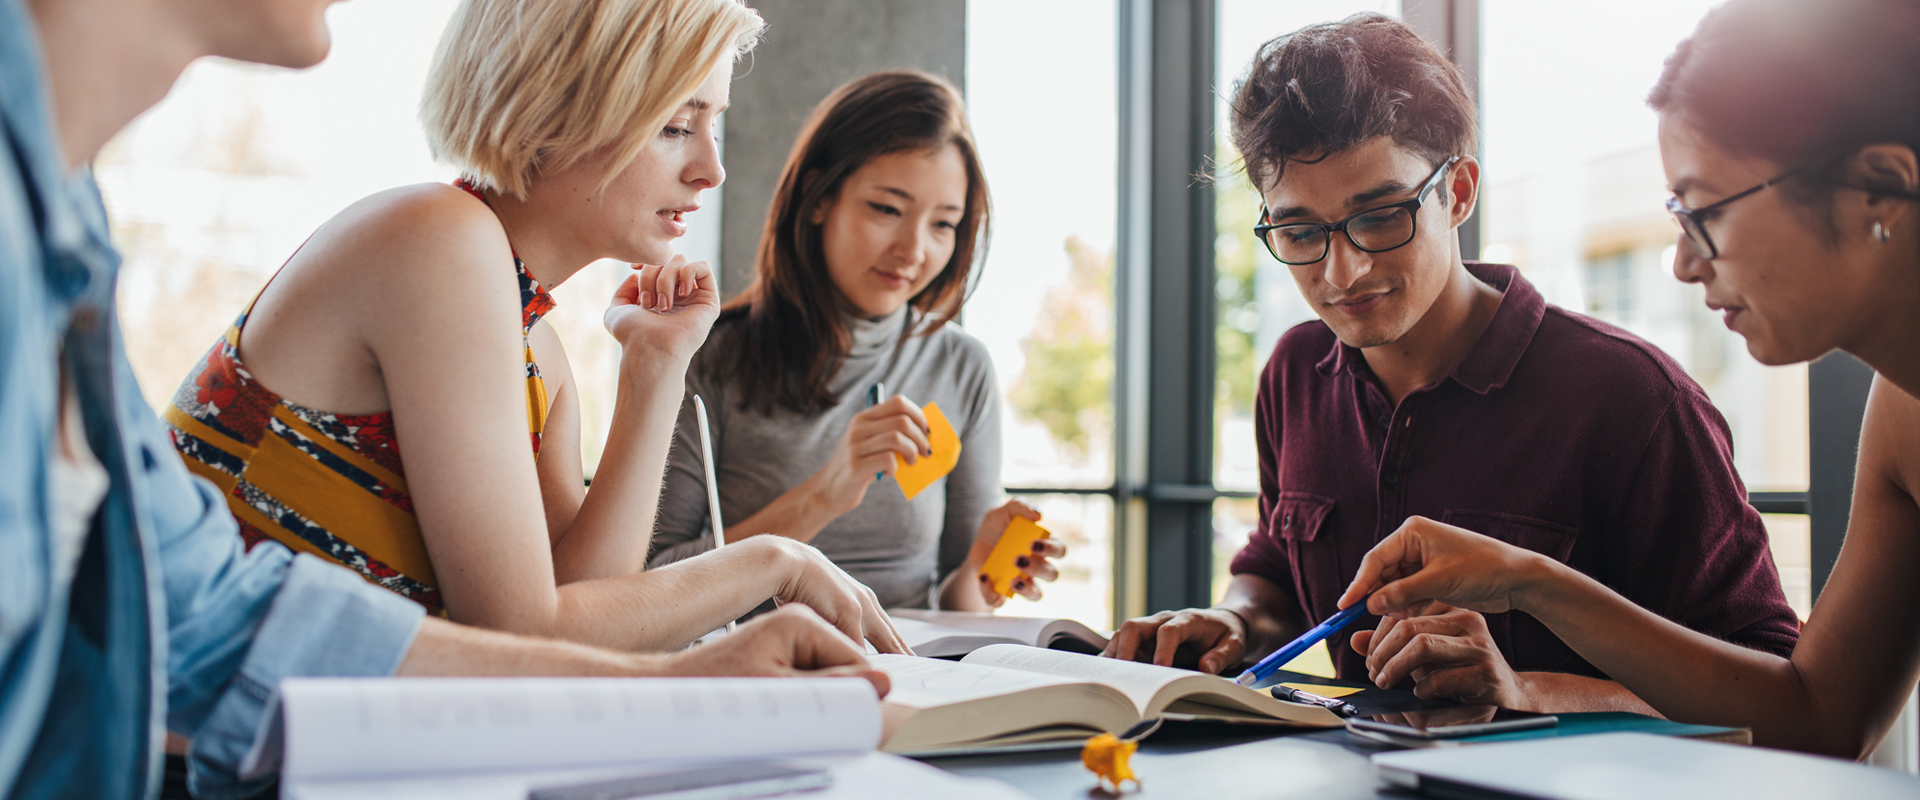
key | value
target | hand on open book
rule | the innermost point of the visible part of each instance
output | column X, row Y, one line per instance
column 791, row 641
column 815, row 581
column 1218, row 635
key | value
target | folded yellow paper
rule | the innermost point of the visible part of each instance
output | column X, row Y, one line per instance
column 916, row 477
column 1002, row 566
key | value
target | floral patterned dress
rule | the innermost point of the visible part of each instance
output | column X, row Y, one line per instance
column 329, row 484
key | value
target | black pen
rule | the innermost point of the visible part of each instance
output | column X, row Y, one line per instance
column 1338, row 707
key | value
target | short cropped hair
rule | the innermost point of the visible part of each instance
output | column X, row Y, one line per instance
column 524, row 86
column 1325, row 88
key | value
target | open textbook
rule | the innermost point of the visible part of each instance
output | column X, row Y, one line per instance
column 499, row 738
column 1006, row 695
column 945, row 634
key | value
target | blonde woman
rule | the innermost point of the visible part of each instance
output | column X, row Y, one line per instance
column 392, row 401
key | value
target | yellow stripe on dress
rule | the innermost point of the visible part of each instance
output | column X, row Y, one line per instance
column 334, row 502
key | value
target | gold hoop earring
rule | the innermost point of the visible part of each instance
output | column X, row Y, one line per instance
column 1880, row 232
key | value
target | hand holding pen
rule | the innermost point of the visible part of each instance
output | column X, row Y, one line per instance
column 892, row 426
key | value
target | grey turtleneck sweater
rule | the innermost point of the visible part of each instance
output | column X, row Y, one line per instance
column 899, row 548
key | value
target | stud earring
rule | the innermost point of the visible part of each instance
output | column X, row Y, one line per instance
column 1880, row 232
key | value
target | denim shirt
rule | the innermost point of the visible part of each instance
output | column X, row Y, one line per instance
column 165, row 622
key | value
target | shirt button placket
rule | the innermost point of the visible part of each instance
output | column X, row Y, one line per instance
column 1394, row 463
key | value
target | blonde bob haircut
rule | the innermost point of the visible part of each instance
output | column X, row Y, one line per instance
column 519, row 87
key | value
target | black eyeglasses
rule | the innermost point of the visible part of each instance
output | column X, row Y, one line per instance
column 1691, row 219
column 1375, row 230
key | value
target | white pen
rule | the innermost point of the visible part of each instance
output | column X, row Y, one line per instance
column 713, row 483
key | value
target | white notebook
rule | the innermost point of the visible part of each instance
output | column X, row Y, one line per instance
column 496, row 738
column 1635, row 766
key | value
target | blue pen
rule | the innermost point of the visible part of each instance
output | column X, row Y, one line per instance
column 1334, row 624
column 874, row 394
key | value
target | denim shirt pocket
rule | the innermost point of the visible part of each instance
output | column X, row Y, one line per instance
column 1550, row 539
column 1297, row 519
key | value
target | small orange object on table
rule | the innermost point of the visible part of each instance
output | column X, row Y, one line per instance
column 1003, row 567
column 1107, row 756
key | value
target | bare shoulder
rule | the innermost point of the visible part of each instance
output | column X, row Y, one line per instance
column 416, row 250
column 428, row 224
column 1890, row 437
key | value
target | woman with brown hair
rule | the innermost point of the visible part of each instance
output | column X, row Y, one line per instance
column 1790, row 133
column 864, row 264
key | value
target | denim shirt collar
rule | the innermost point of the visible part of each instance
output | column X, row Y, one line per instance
column 80, row 259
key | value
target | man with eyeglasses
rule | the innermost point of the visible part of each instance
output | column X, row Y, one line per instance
column 1435, row 387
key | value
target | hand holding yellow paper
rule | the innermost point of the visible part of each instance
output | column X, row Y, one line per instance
column 916, row 477
column 1002, row 567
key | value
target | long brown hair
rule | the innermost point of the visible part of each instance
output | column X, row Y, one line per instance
column 789, row 336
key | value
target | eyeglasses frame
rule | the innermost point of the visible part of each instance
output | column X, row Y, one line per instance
column 1690, row 218
column 1413, row 211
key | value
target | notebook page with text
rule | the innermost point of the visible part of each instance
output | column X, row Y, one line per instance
column 1139, row 682
column 927, row 682
column 359, row 728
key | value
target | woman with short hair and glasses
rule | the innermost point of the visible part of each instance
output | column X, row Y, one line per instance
column 1790, row 133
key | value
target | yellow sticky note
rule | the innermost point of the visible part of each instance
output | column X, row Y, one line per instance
column 1324, row 691
column 1016, row 541
column 916, row 477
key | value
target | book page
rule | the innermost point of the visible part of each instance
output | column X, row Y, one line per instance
column 1139, row 682
column 338, row 727
column 931, row 682
column 933, row 640
column 1151, row 687
column 1025, row 630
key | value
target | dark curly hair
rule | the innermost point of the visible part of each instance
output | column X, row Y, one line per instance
column 1325, row 88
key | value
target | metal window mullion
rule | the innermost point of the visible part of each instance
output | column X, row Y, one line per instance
column 1836, row 405
column 1164, row 304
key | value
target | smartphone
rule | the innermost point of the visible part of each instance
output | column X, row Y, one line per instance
column 1452, row 723
column 733, row 782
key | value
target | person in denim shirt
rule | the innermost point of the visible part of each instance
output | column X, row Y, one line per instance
column 153, row 618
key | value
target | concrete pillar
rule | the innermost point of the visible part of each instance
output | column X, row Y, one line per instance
column 810, row 47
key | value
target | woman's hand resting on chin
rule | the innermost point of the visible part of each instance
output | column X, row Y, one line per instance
column 665, row 311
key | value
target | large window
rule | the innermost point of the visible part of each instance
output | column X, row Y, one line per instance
column 1257, row 298
column 212, row 190
column 1040, row 88
column 1573, row 196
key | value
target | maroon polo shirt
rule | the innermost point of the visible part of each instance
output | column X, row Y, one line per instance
column 1557, row 433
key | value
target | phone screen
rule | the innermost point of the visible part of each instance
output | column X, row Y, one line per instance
column 1451, row 723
